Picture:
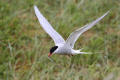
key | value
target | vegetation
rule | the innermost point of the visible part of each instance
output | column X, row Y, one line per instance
column 24, row 45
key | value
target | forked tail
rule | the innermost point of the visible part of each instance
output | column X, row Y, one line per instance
column 78, row 52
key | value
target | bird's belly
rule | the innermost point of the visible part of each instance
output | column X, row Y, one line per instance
column 64, row 51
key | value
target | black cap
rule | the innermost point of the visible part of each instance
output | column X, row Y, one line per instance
column 53, row 49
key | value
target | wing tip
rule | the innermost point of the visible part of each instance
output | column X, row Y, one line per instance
column 35, row 7
column 106, row 13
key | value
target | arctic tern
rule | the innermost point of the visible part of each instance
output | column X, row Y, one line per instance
column 62, row 46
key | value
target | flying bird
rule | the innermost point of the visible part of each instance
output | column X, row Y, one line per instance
column 62, row 46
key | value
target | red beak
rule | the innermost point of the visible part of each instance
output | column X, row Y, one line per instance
column 49, row 54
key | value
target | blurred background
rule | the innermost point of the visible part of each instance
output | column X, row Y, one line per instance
column 24, row 45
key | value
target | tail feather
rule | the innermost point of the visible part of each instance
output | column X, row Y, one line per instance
column 84, row 53
column 78, row 52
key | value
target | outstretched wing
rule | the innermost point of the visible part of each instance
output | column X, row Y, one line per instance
column 48, row 28
column 75, row 35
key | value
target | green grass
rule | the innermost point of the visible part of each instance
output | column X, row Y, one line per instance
column 24, row 45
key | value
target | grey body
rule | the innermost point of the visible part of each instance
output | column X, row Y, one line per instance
column 64, row 50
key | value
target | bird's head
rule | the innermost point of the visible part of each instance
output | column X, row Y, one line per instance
column 52, row 50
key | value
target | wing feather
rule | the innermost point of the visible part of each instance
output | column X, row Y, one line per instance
column 75, row 35
column 48, row 28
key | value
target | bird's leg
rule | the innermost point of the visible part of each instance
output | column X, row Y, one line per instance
column 70, row 55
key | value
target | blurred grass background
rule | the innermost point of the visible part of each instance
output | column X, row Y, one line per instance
column 24, row 45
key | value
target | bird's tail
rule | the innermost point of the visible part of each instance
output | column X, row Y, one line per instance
column 79, row 52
